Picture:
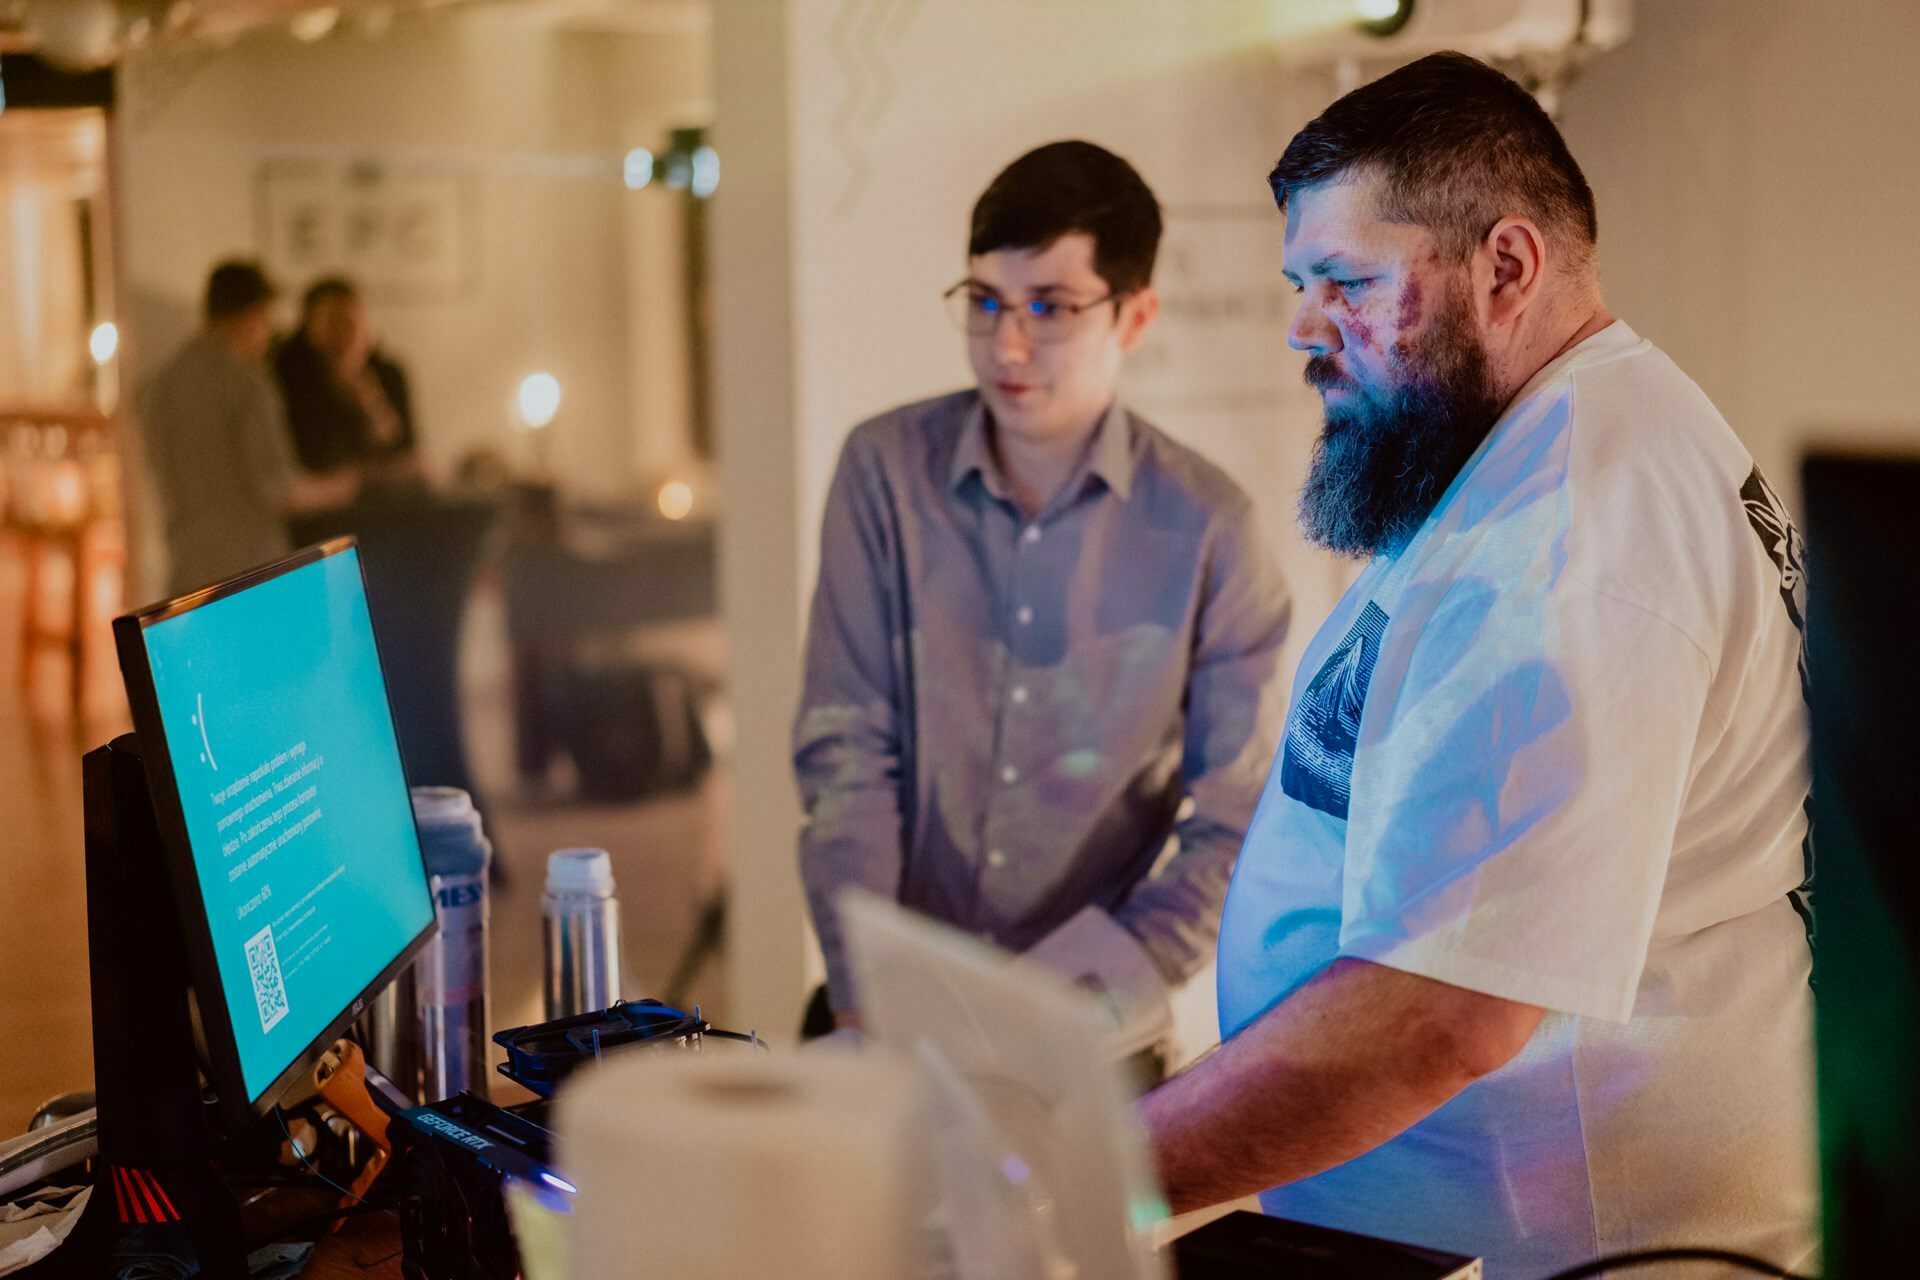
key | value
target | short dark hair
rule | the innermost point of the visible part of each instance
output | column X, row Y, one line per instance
column 324, row 288
column 1458, row 146
column 236, row 286
column 1068, row 187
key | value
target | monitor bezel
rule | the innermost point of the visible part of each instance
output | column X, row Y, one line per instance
column 219, row 1048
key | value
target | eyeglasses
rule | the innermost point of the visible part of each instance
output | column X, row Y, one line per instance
column 977, row 311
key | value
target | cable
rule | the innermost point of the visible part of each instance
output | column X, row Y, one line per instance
column 749, row 1037
column 302, row 1155
column 1648, row 1257
column 431, row 1229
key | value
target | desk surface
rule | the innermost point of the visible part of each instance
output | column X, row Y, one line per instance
column 369, row 1246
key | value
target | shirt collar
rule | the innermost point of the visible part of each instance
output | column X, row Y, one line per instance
column 1110, row 457
column 971, row 454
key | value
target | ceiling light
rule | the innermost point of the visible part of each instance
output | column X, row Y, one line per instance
column 314, row 24
column 538, row 399
column 675, row 499
column 1382, row 17
column 706, row 172
column 637, row 168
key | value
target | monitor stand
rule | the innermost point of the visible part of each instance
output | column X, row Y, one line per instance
column 156, row 1161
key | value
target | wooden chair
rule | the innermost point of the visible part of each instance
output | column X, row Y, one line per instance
column 61, row 482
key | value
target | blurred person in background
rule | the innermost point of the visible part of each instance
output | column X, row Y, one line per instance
column 217, row 441
column 1043, row 644
column 347, row 402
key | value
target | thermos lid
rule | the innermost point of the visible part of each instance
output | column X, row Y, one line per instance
column 588, row 871
column 442, row 807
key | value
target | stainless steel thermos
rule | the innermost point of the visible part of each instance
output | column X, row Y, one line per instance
column 582, row 925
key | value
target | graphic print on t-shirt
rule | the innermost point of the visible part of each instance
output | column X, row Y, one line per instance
column 1770, row 520
column 1316, row 767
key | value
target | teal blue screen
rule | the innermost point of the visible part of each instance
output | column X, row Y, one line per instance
column 296, row 807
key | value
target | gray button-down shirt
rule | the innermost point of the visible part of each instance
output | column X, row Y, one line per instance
column 1002, row 718
column 222, row 462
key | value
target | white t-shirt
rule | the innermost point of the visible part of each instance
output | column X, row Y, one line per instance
column 1556, row 751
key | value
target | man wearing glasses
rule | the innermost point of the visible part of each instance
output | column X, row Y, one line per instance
column 1040, row 686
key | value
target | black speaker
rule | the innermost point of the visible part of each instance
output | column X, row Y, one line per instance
column 1863, row 638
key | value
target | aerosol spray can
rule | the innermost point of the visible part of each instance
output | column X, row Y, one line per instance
column 582, row 920
column 450, row 976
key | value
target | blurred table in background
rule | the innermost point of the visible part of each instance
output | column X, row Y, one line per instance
column 421, row 553
column 581, row 581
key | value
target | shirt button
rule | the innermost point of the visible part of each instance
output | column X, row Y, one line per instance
column 1009, row 775
column 997, row 859
column 1023, row 615
column 1032, row 534
column 1019, row 693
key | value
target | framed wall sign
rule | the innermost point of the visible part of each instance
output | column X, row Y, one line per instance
column 405, row 233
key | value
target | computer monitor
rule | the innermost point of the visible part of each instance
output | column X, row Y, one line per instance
column 282, row 809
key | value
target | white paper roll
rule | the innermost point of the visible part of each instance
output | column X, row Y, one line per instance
column 790, row 1167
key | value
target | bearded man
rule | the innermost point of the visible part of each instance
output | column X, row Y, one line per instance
column 1515, row 958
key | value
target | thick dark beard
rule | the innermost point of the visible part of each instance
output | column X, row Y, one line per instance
column 1384, row 459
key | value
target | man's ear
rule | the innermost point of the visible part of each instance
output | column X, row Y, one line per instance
column 1509, row 268
column 1137, row 311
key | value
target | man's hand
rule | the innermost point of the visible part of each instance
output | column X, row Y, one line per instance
column 1353, row 1058
column 1096, row 952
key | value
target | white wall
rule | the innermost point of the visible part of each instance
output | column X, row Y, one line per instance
column 755, row 370
column 903, row 114
column 1757, row 168
column 564, row 272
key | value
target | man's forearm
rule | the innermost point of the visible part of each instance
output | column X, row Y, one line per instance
column 824, row 879
column 1175, row 913
column 851, row 840
column 1350, row 1060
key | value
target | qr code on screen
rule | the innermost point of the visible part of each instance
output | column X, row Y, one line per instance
column 263, row 968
